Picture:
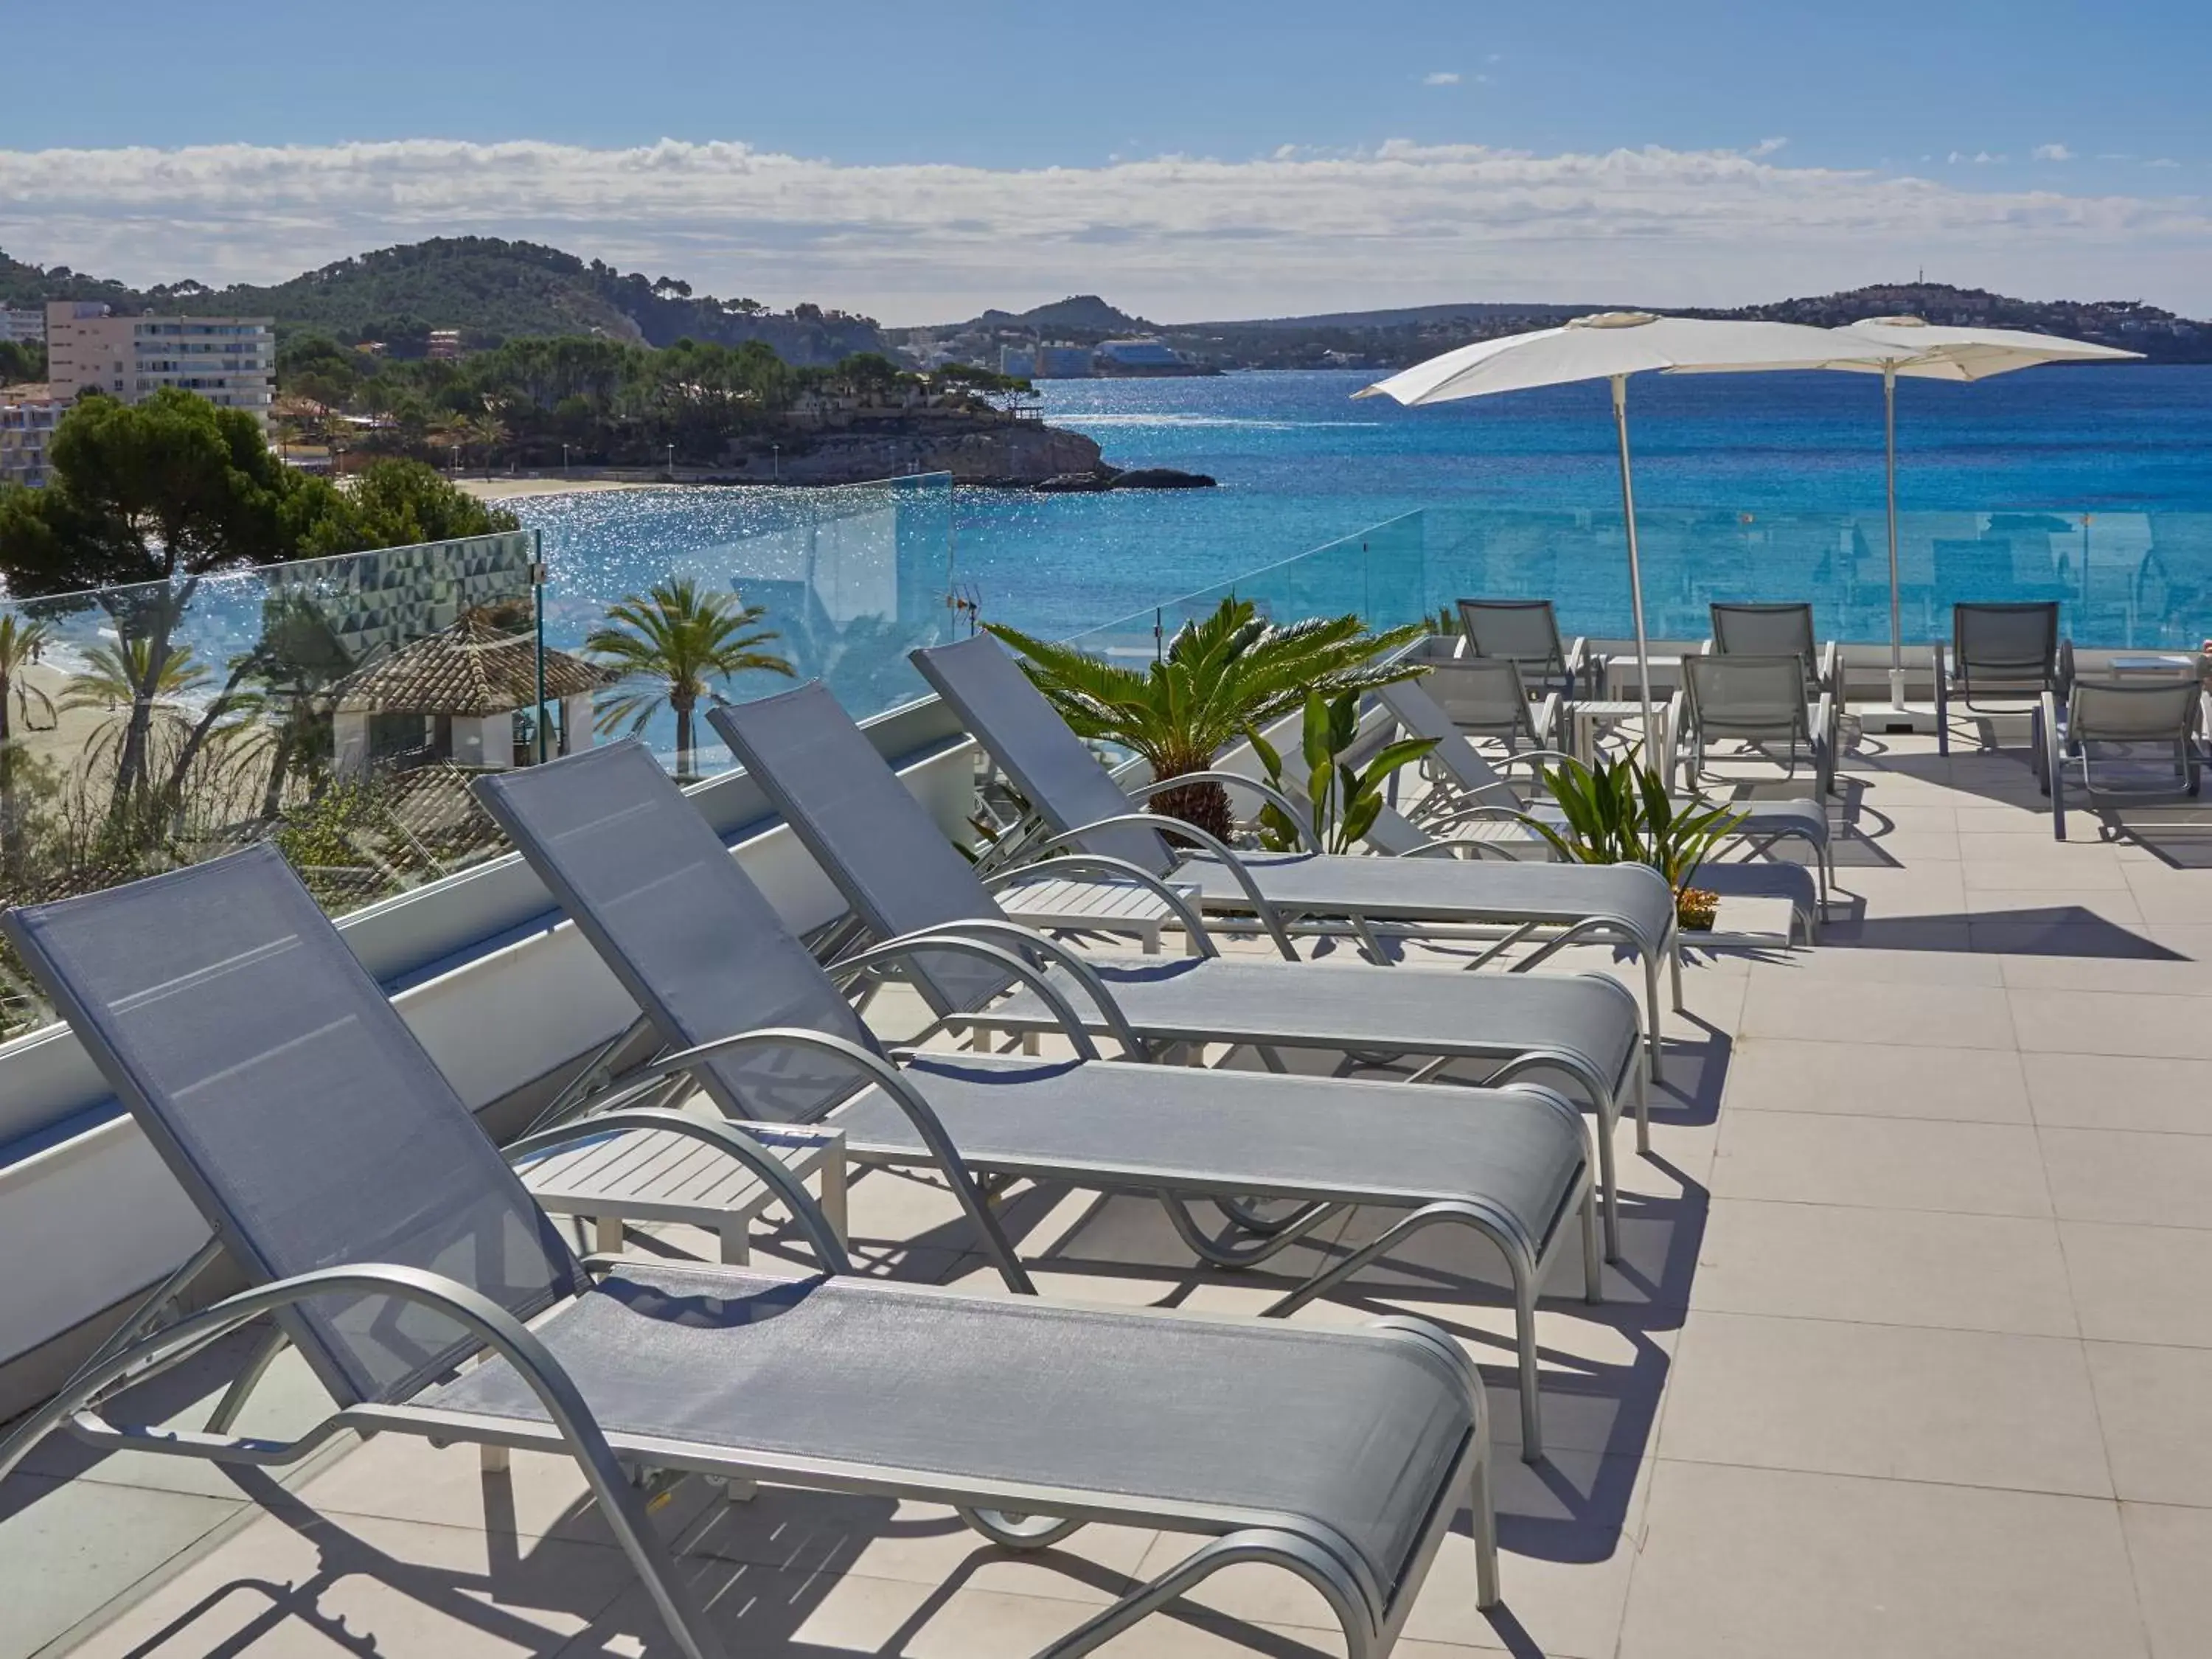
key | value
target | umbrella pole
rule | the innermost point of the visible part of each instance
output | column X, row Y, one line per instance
column 1635, row 574
column 1889, row 473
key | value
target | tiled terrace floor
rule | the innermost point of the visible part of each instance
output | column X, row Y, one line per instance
column 1911, row 1355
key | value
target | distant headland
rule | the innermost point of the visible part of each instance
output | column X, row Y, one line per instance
column 509, row 356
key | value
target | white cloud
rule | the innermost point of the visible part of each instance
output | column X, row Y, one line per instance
column 1174, row 237
column 1980, row 158
column 2052, row 153
column 1441, row 78
column 1768, row 146
column 2162, row 162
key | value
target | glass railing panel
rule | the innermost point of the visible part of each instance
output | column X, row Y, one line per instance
column 845, row 581
column 1376, row 573
column 337, row 707
column 2122, row 579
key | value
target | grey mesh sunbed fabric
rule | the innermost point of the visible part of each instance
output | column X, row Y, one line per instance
column 220, row 990
column 607, row 823
column 890, row 859
column 283, row 1091
column 1068, row 789
column 1153, row 1409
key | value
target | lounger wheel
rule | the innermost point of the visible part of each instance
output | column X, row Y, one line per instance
column 1011, row 1531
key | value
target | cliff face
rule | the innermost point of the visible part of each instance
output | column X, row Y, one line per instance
column 1012, row 453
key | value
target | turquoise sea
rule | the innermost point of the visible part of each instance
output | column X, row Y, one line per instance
column 2093, row 486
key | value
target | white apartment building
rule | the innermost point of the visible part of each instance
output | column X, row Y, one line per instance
column 229, row 361
column 28, row 415
column 22, row 326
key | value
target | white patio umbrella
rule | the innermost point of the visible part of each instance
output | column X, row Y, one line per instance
column 1612, row 346
column 1943, row 353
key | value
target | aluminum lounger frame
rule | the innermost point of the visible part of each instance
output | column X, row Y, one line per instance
column 1026, row 729
column 852, row 815
column 385, row 1375
column 547, row 812
column 2009, row 651
column 2126, row 711
column 1475, row 792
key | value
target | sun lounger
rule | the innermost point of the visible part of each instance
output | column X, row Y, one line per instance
column 909, row 887
column 392, row 1245
column 1526, row 632
column 1081, row 805
column 2008, row 653
column 2118, row 736
column 703, row 953
column 1474, row 796
column 1784, row 630
column 1757, row 701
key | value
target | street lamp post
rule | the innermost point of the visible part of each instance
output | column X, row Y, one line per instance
column 564, row 460
column 671, row 463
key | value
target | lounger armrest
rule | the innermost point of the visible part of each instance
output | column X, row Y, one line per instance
column 1273, row 797
column 1830, row 671
column 492, row 1325
column 765, row 1163
column 1122, row 870
column 1230, row 860
column 1576, row 664
column 726, row 1138
column 1824, row 752
column 946, row 938
column 1545, row 721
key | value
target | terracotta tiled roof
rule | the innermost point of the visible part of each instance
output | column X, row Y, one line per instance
column 470, row 670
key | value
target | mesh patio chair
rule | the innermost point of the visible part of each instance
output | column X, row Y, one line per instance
column 908, row 885
column 1489, row 697
column 392, row 1245
column 701, row 951
column 1755, row 700
column 1781, row 630
column 2130, row 743
column 1077, row 803
column 2005, row 654
column 1526, row 632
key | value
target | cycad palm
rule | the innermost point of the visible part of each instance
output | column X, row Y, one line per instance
column 1222, row 673
column 666, row 645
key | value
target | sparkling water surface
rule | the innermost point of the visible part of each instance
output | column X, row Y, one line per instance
column 2090, row 485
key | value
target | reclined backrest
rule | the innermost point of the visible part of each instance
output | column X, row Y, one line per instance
column 1525, row 631
column 1747, row 695
column 295, row 1106
column 1766, row 630
column 878, row 844
column 2007, row 644
column 696, row 943
column 1048, row 764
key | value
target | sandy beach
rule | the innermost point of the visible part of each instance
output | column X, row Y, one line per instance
column 507, row 489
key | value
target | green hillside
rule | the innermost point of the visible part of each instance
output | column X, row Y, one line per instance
column 489, row 289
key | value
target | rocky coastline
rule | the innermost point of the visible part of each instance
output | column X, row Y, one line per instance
column 1018, row 455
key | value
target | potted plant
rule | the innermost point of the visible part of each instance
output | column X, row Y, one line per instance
column 1221, row 675
column 1620, row 812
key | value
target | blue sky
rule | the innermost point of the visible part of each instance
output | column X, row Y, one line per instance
column 1216, row 158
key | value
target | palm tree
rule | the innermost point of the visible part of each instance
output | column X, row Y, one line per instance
column 20, row 642
column 116, row 677
column 665, row 644
column 1222, row 673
